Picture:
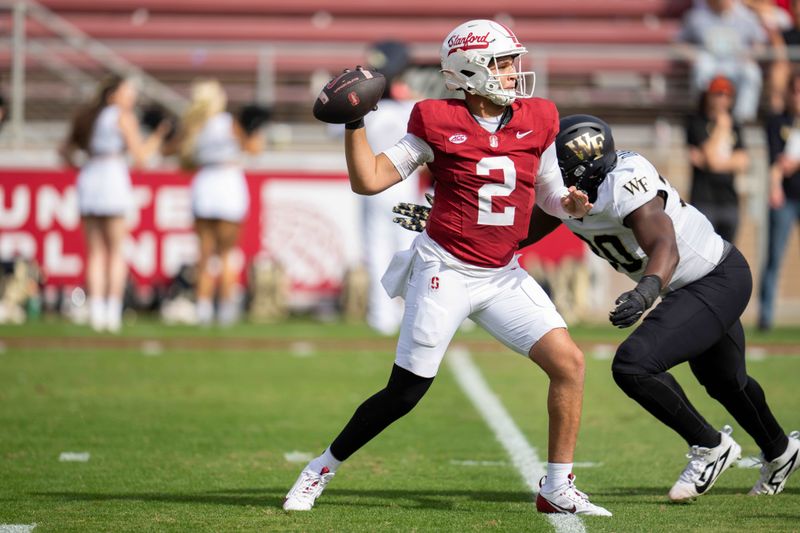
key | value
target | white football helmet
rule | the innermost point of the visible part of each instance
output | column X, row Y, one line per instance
column 468, row 57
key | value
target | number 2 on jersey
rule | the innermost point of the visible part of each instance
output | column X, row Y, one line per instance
column 485, row 214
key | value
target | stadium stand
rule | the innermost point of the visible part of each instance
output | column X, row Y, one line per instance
column 614, row 56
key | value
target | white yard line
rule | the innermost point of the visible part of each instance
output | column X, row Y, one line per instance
column 74, row 457
column 522, row 454
column 16, row 528
column 152, row 348
column 298, row 457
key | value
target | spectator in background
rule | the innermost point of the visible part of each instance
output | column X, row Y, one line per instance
column 776, row 20
column 107, row 132
column 791, row 35
column 783, row 139
column 787, row 50
column 382, row 238
column 213, row 141
column 724, row 37
column 717, row 154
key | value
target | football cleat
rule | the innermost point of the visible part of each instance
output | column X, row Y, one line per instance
column 775, row 473
column 705, row 466
column 307, row 489
column 567, row 499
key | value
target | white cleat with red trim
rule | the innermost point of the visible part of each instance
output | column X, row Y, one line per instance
column 307, row 489
column 567, row 499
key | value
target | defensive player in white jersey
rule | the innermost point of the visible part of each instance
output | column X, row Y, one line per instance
column 639, row 224
column 493, row 154
column 107, row 131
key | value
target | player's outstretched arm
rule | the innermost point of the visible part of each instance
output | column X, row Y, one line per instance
column 369, row 174
column 541, row 224
column 576, row 203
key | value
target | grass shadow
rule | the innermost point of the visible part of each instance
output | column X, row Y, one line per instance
column 422, row 499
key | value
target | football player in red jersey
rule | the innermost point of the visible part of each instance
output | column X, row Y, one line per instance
column 493, row 156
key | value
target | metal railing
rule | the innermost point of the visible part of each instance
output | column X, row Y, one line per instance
column 79, row 41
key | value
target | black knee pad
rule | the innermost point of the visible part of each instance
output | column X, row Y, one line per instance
column 629, row 383
column 720, row 389
column 633, row 357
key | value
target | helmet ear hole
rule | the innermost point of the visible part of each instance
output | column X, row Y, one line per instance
column 467, row 73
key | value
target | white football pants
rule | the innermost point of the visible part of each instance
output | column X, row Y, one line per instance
column 508, row 303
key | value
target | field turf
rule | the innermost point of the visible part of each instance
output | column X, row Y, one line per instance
column 189, row 429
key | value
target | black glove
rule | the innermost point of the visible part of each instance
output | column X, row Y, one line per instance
column 252, row 116
column 417, row 215
column 154, row 115
column 632, row 304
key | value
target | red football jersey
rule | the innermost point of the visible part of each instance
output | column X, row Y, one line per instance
column 484, row 181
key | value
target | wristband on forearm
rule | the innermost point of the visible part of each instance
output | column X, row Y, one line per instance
column 649, row 287
column 355, row 125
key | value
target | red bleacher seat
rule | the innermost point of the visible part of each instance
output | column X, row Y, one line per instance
column 352, row 29
column 414, row 8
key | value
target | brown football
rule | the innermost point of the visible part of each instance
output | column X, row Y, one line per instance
column 349, row 96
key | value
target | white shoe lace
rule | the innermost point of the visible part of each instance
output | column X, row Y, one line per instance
column 570, row 492
column 697, row 460
column 310, row 486
column 582, row 495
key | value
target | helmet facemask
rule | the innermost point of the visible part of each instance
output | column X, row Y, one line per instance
column 477, row 74
column 588, row 176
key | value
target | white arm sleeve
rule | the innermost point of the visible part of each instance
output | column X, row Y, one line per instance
column 409, row 153
column 550, row 185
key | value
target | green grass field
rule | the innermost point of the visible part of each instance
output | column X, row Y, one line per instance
column 189, row 430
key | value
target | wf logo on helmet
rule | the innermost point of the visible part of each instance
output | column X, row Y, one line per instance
column 468, row 42
column 587, row 147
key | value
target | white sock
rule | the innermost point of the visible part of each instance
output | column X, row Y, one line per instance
column 205, row 311
column 113, row 309
column 229, row 311
column 97, row 313
column 326, row 459
column 114, row 306
column 557, row 476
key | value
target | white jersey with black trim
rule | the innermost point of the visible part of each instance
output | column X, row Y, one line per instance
column 632, row 183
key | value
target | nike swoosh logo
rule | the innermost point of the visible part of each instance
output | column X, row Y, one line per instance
column 521, row 134
column 780, row 474
column 721, row 462
column 564, row 509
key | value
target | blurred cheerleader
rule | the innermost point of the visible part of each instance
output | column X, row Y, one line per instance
column 213, row 141
column 107, row 131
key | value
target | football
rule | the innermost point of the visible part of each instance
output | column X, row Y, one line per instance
column 349, row 96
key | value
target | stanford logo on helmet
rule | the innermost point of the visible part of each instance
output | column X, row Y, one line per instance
column 471, row 41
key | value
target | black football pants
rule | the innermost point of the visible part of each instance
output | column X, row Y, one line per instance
column 699, row 323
